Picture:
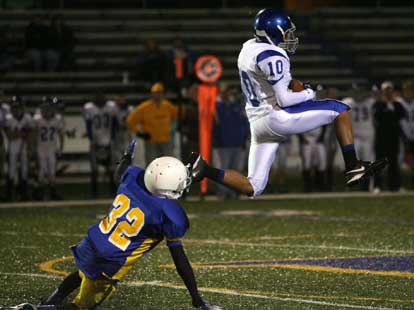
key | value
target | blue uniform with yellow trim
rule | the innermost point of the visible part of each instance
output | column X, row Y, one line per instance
column 135, row 224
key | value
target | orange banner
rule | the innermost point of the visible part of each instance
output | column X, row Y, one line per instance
column 207, row 94
column 179, row 70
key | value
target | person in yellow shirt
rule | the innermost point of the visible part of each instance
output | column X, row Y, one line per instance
column 152, row 120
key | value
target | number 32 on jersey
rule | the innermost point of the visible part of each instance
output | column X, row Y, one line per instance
column 122, row 231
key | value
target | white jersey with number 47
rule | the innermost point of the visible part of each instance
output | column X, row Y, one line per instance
column 264, row 71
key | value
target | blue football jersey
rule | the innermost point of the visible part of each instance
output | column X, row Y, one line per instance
column 135, row 224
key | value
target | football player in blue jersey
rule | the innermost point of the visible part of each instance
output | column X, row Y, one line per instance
column 142, row 215
column 277, row 109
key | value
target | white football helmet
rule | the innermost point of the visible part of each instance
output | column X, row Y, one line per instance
column 167, row 177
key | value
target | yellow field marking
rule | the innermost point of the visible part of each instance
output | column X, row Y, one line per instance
column 49, row 266
column 265, row 263
column 348, row 270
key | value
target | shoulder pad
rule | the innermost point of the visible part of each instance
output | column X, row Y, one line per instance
column 37, row 117
column 175, row 213
column 271, row 51
column 5, row 107
column 89, row 105
column 110, row 103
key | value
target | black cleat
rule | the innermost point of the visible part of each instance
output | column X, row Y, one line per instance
column 196, row 166
column 364, row 170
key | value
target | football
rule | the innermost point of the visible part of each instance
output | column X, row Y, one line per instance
column 296, row 86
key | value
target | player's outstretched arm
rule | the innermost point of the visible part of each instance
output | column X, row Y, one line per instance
column 125, row 161
column 186, row 273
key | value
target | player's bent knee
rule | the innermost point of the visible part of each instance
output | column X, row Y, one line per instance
column 339, row 106
column 258, row 186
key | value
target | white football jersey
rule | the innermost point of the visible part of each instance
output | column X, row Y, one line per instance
column 101, row 119
column 362, row 115
column 123, row 135
column 47, row 132
column 13, row 124
column 264, row 71
column 4, row 110
column 407, row 123
column 314, row 135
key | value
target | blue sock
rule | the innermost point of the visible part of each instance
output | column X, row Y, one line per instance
column 350, row 158
column 214, row 174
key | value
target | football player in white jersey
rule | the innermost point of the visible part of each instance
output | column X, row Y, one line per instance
column 407, row 122
column 364, row 132
column 4, row 110
column 122, row 134
column 363, row 124
column 18, row 127
column 100, row 119
column 275, row 111
column 49, row 135
column 313, row 153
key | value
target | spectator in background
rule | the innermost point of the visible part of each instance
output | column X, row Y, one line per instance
column 313, row 153
column 230, row 133
column 62, row 42
column 387, row 115
column 189, row 123
column 407, row 124
column 7, row 48
column 331, row 144
column 122, row 135
column 152, row 120
column 363, row 124
column 42, row 56
column 152, row 64
column 18, row 128
column 4, row 110
column 100, row 120
column 280, row 165
column 181, row 58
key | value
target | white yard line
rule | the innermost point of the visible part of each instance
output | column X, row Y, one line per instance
column 215, row 290
column 292, row 196
column 53, row 204
column 33, row 275
column 234, row 243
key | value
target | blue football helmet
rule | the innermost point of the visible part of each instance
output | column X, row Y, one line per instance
column 275, row 27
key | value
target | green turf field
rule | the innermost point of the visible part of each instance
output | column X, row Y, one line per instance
column 247, row 254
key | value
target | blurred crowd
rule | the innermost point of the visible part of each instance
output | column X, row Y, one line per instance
column 383, row 123
column 383, row 120
column 32, row 143
column 48, row 45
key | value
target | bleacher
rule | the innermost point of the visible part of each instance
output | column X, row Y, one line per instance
column 377, row 42
column 109, row 40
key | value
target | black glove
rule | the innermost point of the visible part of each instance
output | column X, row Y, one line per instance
column 144, row 135
column 125, row 160
column 130, row 150
column 307, row 85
